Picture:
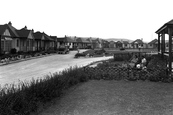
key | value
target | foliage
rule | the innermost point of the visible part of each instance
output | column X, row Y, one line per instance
column 24, row 98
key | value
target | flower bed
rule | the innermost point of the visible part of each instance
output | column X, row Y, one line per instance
column 7, row 58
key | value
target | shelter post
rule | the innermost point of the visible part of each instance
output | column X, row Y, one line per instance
column 170, row 49
column 158, row 43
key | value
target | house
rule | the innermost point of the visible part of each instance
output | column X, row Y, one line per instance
column 68, row 41
column 112, row 44
column 43, row 41
column 138, row 43
column 96, row 43
column 48, row 42
column 83, row 43
column 119, row 44
column 26, row 39
column 153, row 44
column 125, row 44
column 105, row 44
column 56, row 44
column 5, row 39
column 15, row 36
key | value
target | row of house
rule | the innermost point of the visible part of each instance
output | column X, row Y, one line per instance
column 27, row 40
column 138, row 43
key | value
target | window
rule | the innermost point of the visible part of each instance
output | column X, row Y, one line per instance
column 17, row 42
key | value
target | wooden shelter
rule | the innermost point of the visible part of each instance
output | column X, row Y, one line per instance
column 167, row 28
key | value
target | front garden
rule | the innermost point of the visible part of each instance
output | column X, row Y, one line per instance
column 14, row 56
column 24, row 98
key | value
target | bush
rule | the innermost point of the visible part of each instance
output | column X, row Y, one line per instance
column 24, row 98
column 13, row 51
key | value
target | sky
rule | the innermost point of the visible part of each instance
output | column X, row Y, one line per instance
column 129, row 19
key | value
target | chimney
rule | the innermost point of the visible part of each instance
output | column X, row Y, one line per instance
column 25, row 27
column 9, row 23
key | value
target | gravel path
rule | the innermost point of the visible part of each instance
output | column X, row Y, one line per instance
column 40, row 67
column 115, row 98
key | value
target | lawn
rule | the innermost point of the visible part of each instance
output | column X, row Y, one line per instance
column 104, row 97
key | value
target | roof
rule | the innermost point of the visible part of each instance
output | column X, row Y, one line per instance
column 54, row 38
column 153, row 41
column 125, row 42
column 119, row 42
column 68, row 39
column 61, row 39
column 12, row 30
column 83, row 40
column 47, row 37
column 38, row 35
column 23, row 33
column 2, row 29
column 137, row 41
column 164, row 26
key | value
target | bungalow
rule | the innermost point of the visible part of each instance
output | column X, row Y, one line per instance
column 56, row 44
column 112, row 44
column 153, row 44
column 48, row 42
column 83, row 42
column 43, row 41
column 119, row 44
column 5, row 39
column 96, row 43
column 67, row 41
column 138, row 43
column 125, row 44
column 15, row 36
column 105, row 44
column 26, row 39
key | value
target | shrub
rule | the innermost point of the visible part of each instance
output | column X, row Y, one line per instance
column 13, row 51
column 24, row 98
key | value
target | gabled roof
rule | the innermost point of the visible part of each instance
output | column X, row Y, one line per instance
column 153, row 41
column 38, row 35
column 68, row 39
column 12, row 30
column 164, row 26
column 47, row 37
column 94, row 40
column 111, row 41
column 62, row 39
column 137, row 41
column 83, row 40
column 125, row 42
column 54, row 38
column 23, row 33
column 118, row 42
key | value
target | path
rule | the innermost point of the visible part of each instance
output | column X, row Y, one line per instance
column 40, row 67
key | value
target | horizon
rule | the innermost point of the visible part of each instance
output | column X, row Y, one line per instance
column 89, row 18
